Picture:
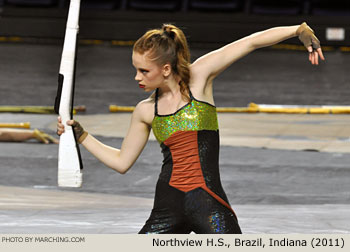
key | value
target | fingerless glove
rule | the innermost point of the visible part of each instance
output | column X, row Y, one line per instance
column 80, row 133
column 307, row 36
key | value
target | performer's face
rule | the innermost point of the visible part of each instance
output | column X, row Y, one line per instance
column 149, row 75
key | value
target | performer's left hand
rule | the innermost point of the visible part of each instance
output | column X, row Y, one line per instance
column 314, row 54
column 311, row 42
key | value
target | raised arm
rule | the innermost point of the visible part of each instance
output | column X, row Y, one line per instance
column 134, row 142
column 213, row 63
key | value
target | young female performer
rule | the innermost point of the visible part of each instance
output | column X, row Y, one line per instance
column 181, row 113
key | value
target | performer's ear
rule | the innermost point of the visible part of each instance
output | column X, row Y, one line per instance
column 166, row 70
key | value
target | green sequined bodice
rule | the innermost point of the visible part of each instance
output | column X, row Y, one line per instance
column 196, row 115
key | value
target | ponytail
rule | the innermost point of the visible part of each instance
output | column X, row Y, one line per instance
column 168, row 45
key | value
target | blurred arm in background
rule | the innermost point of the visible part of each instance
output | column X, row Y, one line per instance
column 21, row 135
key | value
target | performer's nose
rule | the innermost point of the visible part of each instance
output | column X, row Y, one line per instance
column 137, row 77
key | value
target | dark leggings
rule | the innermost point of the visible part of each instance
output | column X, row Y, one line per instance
column 177, row 212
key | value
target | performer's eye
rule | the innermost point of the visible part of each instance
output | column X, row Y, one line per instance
column 144, row 71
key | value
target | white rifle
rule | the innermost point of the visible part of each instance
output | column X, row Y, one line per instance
column 69, row 159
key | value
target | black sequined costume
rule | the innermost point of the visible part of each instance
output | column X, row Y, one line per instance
column 189, row 196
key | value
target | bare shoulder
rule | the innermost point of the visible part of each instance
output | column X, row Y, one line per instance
column 201, row 84
column 201, row 67
column 144, row 110
column 196, row 70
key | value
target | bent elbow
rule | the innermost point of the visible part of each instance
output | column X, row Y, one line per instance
column 123, row 170
column 120, row 169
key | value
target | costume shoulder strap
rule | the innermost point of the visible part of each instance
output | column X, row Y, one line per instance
column 190, row 93
column 156, row 103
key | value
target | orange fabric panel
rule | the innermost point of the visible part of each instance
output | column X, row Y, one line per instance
column 187, row 172
column 219, row 199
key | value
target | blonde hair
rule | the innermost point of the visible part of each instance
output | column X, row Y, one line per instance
column 168, row 45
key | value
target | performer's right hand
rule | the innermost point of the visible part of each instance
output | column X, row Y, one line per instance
column 79, row 131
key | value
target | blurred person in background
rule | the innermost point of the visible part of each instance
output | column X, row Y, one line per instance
column 22, row 135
